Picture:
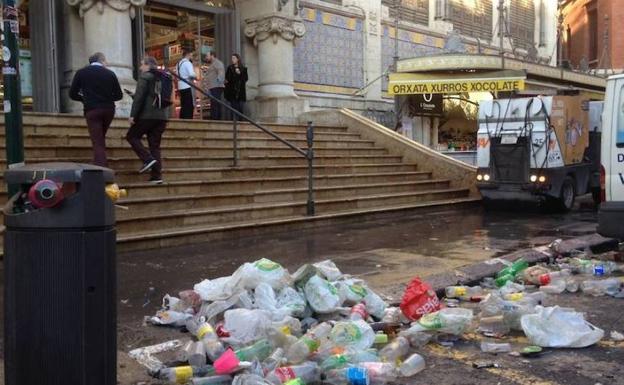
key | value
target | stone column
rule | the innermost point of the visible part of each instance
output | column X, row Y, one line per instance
column 108, row 29
column 273, row 36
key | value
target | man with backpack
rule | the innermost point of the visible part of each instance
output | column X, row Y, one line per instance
column 149, row 115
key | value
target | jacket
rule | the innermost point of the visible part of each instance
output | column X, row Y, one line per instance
column 96, row 87
column 214, row 75
column 143, row 107
column 235, row 84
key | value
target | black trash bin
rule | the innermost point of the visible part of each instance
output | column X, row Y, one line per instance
column 60, row 277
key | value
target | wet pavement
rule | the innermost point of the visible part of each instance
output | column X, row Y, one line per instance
column 383, row 252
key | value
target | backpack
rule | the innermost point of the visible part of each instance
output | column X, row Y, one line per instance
column 163, row 88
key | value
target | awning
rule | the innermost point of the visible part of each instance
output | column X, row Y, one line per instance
column 420, row 83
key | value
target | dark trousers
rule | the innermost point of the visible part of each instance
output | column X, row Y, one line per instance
column 215, row 107
column 154, row 130
column 98, row 121
column 238, row 105
column 187, row 104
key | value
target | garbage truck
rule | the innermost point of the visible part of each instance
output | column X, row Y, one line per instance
column 541, row 149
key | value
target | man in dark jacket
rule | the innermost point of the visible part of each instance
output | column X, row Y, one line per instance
column 148, row 118
column 98, row 89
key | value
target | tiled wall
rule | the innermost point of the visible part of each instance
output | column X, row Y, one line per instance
column 332, row 51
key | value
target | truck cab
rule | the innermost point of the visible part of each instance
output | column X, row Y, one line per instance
column 537, row 149
column 611, row 214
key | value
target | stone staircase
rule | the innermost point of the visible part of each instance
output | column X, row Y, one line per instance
column 205, row 198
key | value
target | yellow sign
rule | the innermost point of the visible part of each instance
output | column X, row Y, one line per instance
column 411, row 84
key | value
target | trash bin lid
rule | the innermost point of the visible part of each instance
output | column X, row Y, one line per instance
column 57, row 171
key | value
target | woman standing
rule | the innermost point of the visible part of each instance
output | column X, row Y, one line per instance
column 235, row 83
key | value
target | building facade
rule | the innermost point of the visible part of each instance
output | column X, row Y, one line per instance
column 589, row 35
column 301, row 54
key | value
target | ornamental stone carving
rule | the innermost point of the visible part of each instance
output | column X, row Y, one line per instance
column 117, row 5
column 274, row 26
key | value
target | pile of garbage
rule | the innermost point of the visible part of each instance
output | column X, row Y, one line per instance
column 264, row 326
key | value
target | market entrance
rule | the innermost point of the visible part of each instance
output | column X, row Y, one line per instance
column 170, row 26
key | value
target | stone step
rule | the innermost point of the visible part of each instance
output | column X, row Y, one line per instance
column 62, row 152
column 244, row 196
column 206, row 132
column 157, row 221
column 204, row 234
column 35, row 140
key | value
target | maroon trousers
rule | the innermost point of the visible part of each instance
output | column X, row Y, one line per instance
column 154, row 130
column 98, row 121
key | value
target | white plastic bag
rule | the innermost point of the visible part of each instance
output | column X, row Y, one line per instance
column 352, row 291
column 329, row 270
column 375, row 306
column 247, row 326
column 170, row 318
column 554, row 327
column 321, row 295
column 355, row 335
column 292, row 300
column 215, row 290
column 263, row 271
column 448, row 320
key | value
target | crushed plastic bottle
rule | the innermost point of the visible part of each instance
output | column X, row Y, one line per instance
column 412, row 365
column 336, row 361
column 259, row 351
column 494, row 325
column 308, row 344
column 395, row 350
column 509, row 273
column 449, row 320
column 611, row 286
column 274, row 361
column 380, row 372
column 490, row 347
column 463, row 292
column 197, row 354
column 308, row 372
column 207, row 335
column 212, row 380
column 351, row 376
column 358, row 312
column 183, row 374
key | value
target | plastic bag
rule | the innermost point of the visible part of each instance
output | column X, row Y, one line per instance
column 375, row 306
column 419, row 299
column 321, row 295
column 352, row 291
column 292, row 300
column 449, row 320
column 247, row 326
column 356, row 335
column 554, row 327
column 170, row 318
column 215, row 290
column 289, row 303
column 263, row 271
column 329, row 270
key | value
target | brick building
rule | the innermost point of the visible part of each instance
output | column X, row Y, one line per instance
column 589, row 34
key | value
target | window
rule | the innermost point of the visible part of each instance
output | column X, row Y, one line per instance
column 592, row 29
column 522, row 23
column 620, row 121
column 474, row 20
column 543, row 26
column 441, row 9
column 413, row 11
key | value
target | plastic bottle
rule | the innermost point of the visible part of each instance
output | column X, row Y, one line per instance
column 509, row 273
column 281, row 337
column 308, row 344
column 412, row 365
column 358, row 312
column 337, row 361
column 416, row 338
column 395, row 350
column 258, row 351
column 548, row 278
column 490, row 347
column 197, row 354
column 602, row 268
column 351, row 376
column 494, row 325
column 392, row 315
column 274, row 361
column 183, row 374
column 213, row 380
column 380, row 372
column 207, row 335
column 308, row 372
column 597, row 288
column 463, row 292
column 556, row 286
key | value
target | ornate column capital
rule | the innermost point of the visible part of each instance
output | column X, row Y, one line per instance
column 274, row 26
column 117, row 5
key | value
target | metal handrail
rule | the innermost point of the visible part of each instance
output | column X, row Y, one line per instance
column 308, row 153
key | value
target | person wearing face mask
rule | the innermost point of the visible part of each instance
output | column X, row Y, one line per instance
column 98, row 89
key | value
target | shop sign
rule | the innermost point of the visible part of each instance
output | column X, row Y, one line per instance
column 427, row 104
column 453, row 86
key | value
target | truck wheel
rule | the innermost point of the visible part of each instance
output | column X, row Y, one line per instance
column 567, row 195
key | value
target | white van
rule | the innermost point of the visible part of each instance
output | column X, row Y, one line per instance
column 611, row 215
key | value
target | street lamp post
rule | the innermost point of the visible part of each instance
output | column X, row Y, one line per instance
column 12, row 93
column 397, row 109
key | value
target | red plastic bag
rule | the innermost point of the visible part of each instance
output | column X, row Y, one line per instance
column 419, row 299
